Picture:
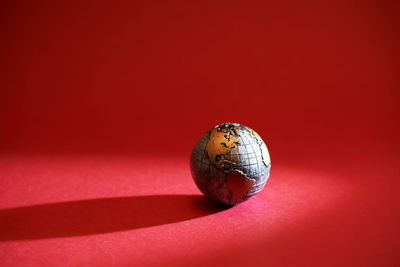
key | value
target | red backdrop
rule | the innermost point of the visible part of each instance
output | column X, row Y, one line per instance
column 101, row 104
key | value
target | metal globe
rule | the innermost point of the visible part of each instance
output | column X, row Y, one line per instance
column 230, row 163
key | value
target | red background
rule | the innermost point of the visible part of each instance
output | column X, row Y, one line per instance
column 101, row 104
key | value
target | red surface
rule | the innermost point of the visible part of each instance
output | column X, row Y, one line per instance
column 101, row 103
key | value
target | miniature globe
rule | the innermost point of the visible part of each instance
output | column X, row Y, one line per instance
column 230, row 163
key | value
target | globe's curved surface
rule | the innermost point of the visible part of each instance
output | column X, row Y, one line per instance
column 230, row 163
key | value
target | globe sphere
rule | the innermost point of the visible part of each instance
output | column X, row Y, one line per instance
column 230, row 163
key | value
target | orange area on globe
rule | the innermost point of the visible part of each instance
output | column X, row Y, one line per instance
column 239, row 185
column 220, row 142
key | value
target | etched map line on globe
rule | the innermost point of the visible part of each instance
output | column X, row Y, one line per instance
column 264, row 149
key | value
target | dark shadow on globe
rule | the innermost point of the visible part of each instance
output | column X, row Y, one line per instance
column 94, row 216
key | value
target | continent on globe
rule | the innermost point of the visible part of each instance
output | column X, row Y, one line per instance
column 230, row 163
